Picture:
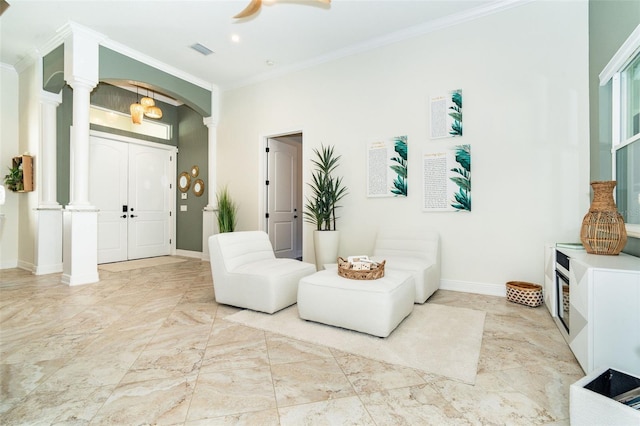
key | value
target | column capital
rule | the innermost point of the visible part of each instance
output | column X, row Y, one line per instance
column 81, row 54
column 210, row 122
column 79, row 83
column 49, row 98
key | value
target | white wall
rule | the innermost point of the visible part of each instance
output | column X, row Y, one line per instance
column 8, row 149
column 524, row 75
column 30, row 88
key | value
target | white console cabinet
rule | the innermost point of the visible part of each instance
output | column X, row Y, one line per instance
column 603, row 308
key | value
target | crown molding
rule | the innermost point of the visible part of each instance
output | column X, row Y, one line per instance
column 8, row 67
column 398, row 36
column 141, row 57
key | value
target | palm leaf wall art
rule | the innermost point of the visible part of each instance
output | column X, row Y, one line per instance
column 400, row 168
column 455, row 112
column 462, row 178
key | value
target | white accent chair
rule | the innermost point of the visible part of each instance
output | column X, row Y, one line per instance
column 412, row 250
column 247, row 274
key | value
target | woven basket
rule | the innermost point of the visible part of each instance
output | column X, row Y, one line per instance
column 524, row 293
column 344, row 270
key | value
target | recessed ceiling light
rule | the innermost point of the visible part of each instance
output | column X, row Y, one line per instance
column 269, row 62
column 235, row 38
column 201, row 49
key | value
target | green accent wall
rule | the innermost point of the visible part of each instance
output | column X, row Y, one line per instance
column 193, row 151
column 190, row 135
column 116, row 67
column 53, row 70
column 64, row 119
column 611, row 22
column 110, row 97
column 117, row 99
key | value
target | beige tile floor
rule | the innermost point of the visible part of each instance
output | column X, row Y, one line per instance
column 151, row 346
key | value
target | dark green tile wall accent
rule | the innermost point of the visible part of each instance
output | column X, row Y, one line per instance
column 193, row 151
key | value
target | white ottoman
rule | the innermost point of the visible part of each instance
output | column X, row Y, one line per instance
column 370, row 306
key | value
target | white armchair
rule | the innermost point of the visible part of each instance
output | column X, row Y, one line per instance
column 247, row 274
column 412, row 250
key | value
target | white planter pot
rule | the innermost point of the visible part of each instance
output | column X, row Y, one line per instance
column 325, row 245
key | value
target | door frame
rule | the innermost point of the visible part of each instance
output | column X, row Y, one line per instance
column 172, row 175
column 262, row 177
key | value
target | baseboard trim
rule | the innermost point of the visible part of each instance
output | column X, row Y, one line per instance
column 12, row 264
column 474, row 287
column 27, row 266
column 189, row 253
column 49, row 269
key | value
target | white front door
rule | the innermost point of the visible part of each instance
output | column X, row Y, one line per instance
column 149, row 202
column 108, row 174
column 131, row 186
column 284, row 216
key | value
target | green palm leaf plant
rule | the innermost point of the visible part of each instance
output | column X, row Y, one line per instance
column 326, row 190
column 456, row 113
column 463, row 180
column 227, row 211
column 14, row 180
column 400, row 181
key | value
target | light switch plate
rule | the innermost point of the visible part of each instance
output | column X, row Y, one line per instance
column 183, row 208
column 184, row 195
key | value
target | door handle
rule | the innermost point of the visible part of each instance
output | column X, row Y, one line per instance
column 133, row 215
column 295, row 216
column 124, row 216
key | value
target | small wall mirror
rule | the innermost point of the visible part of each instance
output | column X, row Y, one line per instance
column 198, row 187
column 184, row 182
column 195, row 170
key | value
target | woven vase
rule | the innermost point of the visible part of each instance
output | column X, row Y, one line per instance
column 603, row 230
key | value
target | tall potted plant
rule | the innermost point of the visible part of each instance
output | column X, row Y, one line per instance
column 320, row 209
column 227, row 210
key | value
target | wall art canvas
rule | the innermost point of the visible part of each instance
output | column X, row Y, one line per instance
column 447, row 179
column 387, row 167
column 446, row 115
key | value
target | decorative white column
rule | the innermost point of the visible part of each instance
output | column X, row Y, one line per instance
column 49, row 103
column 48, row 244
column 80, row 255
column 209, row 213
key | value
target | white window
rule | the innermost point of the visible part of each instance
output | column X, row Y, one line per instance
column 623, row 73
column 118, row 120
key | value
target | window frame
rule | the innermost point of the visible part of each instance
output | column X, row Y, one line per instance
column 628, row 52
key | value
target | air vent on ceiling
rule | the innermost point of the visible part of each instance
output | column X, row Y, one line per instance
column 201, row 49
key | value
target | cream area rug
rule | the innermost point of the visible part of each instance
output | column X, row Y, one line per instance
column 434, row 338
column 140, row 263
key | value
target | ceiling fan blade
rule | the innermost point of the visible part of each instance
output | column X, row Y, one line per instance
column 252, row 8
column 325, row 1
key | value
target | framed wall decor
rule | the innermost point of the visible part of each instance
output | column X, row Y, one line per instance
column 195, row 171
column 184, row 182
column 447, row 179
column 198, row 187
column 446, row 114
column 387, row 167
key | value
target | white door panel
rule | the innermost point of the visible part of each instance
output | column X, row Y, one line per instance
column 108, row 192
column 282, row 198
column 149, row 202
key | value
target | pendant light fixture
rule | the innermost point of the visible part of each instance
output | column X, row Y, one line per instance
column 137, row 111
column 151, row 110
column 145, row 107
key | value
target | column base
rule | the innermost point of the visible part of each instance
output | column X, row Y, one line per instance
column 80, row 254
column 209, row 227
column 48, row 250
